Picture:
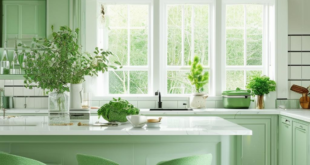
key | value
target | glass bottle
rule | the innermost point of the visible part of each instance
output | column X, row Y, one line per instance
column 23, row 64
column 16, row 68
column 5, row 63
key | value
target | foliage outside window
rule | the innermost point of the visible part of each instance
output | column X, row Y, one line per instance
column 127, row 35
column 187, row 31
column 244, row 26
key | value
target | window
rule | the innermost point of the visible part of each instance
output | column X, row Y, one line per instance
column 186, row 33
column 246, row 43
column 125, row 31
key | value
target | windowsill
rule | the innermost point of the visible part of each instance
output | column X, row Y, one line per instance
column 151, row 98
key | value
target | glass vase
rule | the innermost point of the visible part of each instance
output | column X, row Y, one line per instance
column 58, row 108
column 260, row 102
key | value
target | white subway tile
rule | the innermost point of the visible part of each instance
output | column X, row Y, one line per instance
column 146, row 104
column 8, row 82
column 18, row 91
column 295, row 72
column 38, row 91
column 28, row 92
column 30, row 103
column 180, row 104
column 44, row 104
column 18, row 82
column 219, row 104
column 211, row 104
column 295, row 58
column 169, row 104
column 8, row 91
column 94, row 103
column 19, row 102
column 306, row 43
column 305, row 58
column 305, row 72
column 38, row 102
column 134, row 103
column 296, row 43
column 102, row 103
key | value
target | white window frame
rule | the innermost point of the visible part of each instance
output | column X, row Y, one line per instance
column 268, row 40
column 105, row 77
column 164, row 68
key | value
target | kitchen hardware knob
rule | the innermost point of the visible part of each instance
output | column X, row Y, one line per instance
column 287, row 121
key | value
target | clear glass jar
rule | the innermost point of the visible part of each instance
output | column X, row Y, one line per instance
column 16, row 68
column 5, row 63
column 260, row 102
column 58, row 108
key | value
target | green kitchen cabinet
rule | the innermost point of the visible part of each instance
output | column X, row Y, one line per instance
column 23, row 20
column 285, row 141
column 300, row 143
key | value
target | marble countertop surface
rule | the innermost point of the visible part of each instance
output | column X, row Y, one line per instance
column 170, row 125
column 300, row 114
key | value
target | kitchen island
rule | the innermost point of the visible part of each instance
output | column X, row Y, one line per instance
column 33, row 137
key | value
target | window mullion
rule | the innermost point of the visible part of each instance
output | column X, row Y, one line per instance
column 182, row 31
column 192, row 32
column 245, row 38
column 128, row 47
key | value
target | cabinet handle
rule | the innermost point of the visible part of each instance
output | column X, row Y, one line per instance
column 287, row 121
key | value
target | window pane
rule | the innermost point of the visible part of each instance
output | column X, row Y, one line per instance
column 187, row 33
column 251, row 73
column 118, row 45
column 138, row 47
column 234, row 79
column 139, row 15
column 138, row 82
column 178, row 83
column 174, row 40
column 201, row 36
column 117, row 13
column 118, row 81
column 254, row 31
column 234, row 35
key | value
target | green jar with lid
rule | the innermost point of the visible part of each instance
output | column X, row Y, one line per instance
column 237, row 98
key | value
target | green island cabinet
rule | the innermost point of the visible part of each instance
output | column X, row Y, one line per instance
column 259, row 148
column 293, row 142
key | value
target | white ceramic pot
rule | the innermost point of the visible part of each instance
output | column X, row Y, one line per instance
column 198, row 100
column 76, row 96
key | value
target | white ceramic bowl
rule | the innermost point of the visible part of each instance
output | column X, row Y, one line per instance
column 153, row 125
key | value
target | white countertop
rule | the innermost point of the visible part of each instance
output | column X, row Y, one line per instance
column 170, row 125
column 300, row 114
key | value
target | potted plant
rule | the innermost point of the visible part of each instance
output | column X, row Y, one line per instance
column 259, row 86
column 55, row 63
column 198, row 79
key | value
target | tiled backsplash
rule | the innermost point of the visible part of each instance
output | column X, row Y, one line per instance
column 35, row 98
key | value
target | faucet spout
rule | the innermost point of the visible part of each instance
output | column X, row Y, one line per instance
column 159, row 99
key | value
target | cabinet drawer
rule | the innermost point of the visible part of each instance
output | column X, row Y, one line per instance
column 287, row 121
column 301, row 127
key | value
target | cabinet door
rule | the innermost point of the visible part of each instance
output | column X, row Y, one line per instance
column 300, row 143
column 285, row 141
column 254, row 149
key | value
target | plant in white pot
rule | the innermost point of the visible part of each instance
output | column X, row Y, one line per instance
column 198, row 79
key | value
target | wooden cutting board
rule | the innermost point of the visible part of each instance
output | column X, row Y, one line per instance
column 304, row 101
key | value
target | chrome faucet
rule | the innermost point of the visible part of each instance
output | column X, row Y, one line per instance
column 159, row 99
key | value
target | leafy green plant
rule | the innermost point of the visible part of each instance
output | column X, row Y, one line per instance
column 56, row 62
column 196, row 75
column 260, row 85
column 117, row 110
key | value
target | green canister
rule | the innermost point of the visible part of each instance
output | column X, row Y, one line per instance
column 237, row 98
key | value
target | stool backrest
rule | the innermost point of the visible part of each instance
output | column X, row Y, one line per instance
column 93, row 160
column 8, row 159
column 205, row 159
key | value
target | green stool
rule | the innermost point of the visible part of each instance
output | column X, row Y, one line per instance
column 191, row 160
column 92, row 160
column 8, row 159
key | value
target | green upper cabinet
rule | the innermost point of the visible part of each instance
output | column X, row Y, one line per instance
column 23, row 20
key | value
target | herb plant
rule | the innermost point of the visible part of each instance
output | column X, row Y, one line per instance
column 260, row 85
column 117, row 110
column 196, row 75
column 56, row 62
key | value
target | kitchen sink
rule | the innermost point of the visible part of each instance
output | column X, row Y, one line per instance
column 168, row 109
